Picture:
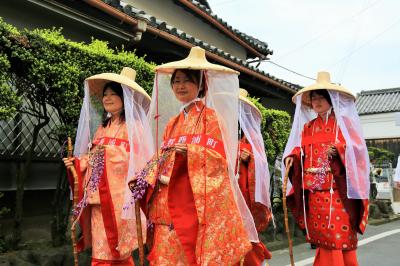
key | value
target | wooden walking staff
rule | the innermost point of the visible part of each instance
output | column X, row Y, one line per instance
column 285, row 181
column 139, row 233
column 74, row 202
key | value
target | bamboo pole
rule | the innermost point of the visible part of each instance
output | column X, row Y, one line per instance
column 74, row 203
column 284, row 188
column 139, row 233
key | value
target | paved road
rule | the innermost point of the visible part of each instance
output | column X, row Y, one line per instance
column 379, row 246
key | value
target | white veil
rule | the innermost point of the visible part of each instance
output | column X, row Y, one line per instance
column 250, row 123
column 89, row 120
column 357, row 159
column 222, row 96
column 140, row 140
column 397, row 173
column 136, row 106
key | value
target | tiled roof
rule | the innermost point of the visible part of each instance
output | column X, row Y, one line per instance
column 259, row 45
column 162, row 25
column 378, row 101
column 204, row 3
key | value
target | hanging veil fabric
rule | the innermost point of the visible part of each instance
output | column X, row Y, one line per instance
column 357, row 159
column 250, row 123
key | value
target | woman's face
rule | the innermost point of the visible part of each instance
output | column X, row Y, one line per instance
column 112, row 102
column 319, row 104
column 184, row 89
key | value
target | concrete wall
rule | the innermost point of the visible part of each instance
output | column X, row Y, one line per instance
column 182, row 19
column 380, row 126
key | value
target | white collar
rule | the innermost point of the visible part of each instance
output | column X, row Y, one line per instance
column 189, row 103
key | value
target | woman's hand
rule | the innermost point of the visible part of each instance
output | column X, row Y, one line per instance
column 69, row 162
column 288, row 160
column 332, row 151
column 244, row 156
column 181, row 148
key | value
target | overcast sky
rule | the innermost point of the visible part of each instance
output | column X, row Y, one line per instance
column 357, row 41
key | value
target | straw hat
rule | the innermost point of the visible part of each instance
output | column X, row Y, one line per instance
column 127, row 78
column 196, row 60
column 243, row 97
column 323, row 82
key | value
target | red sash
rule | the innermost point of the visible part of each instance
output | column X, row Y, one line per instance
column 197, row 139
column 108, row 213
column 112, row 142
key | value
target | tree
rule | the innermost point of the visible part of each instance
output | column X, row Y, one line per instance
column 9, row 101
column 47, row 71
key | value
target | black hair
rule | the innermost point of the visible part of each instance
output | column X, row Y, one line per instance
column 324, row 93
column 194, row 76
column 117, row 88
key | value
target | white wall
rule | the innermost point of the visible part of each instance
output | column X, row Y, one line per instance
column 379, row 126
column 182, row 19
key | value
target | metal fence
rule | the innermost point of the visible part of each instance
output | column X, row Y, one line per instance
column 16, row 137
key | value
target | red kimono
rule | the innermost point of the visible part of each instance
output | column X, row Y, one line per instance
column 260, row 212
column 111, row 238
column 192, row 213
column 332, row 222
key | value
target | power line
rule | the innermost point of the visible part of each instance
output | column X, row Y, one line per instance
column 328, row 31
column 366, row 43
column 285, row 68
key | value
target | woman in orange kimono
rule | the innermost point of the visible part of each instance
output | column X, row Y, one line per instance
column 188, row 191
column 254, row 178
column 329, row 197
column 103, row 169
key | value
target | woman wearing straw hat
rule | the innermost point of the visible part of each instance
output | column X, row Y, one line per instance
column 112, row 121
column 329, row 176
column 191, row 197
column 254, row 178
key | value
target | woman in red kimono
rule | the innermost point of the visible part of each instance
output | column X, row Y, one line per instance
column 106, row 151
column 329, row 194
column 188, row 191
column 254, row 178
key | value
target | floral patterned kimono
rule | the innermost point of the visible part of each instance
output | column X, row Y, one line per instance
column 260, row 212
column 332, row 220
column 194, row 219
column 102, row 178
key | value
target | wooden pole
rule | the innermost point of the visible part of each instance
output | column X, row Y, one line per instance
column 74, row 203
column 139, row 233
column 284, row 188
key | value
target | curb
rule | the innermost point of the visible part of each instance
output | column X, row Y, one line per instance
column 384, row 220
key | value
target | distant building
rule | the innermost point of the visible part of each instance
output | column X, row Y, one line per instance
column 379, row 112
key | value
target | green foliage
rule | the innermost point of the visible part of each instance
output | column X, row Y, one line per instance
column 9, row 101
column 45, row 69
column 275, row 126
column 380, row 155
column 53, row 68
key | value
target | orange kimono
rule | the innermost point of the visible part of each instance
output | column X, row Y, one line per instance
column 332, row 221
column 111, row 238
column 193, row 215
column 260, row 212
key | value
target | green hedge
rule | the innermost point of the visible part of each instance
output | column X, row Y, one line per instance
column 275, row 126
column 51, row 69
column 380, row 155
